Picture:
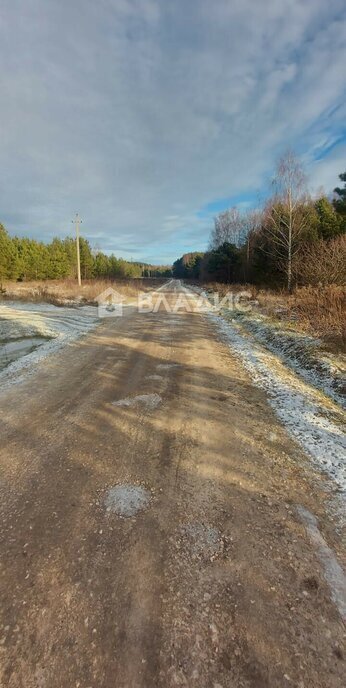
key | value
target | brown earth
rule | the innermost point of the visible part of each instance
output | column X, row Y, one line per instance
column 215, row 583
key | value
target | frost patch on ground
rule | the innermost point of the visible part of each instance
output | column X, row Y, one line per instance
column 50, row 327
column 332, row 570
column 174, row 319
column 201, row 541
column 149, row 401
column 300, row 351
column 303, row 353
column 127, row 500
column 166, row 366
column 312, row 420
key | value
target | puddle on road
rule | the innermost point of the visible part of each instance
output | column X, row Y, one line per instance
column 12, row 349
column 149, row 401
column 333, row 573
column 127, row 500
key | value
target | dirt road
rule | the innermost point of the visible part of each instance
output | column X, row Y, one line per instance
column 214, row 582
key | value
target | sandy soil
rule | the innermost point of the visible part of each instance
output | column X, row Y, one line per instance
column 214, row 582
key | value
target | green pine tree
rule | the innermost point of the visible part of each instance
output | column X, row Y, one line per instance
column 329, row 222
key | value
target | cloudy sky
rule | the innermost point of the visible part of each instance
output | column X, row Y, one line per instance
column 148, row 116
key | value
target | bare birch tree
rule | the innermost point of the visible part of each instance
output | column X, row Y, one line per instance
column 228, row 227
column 287, row 213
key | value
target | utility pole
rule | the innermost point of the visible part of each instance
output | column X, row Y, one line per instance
column 77, row 221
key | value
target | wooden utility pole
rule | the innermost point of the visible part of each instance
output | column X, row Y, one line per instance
column 77, row 221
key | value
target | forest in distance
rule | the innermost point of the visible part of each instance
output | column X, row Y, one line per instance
column 292, row 240
column 26, row 259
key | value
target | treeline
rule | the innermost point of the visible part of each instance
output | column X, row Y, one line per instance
column 188, row 266
column 292, row 240
column 28, row 259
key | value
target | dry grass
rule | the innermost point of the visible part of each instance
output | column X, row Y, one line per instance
column 67, row 292
column 224, row 289
column 322, row 311
column 272, row 303
column 319, row 311
column 322, row 263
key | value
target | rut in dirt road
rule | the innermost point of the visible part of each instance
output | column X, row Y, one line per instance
column 149, row 531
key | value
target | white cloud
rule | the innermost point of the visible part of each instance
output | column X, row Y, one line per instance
column 324, row 173
column 138, row 113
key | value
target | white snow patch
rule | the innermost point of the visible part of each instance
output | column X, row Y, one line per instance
column 333, row 572
column 41, row 321
column 303, row 353
column 315, row 423
column 166, row 366
column 202, row 539
column 127, row 500
column 150, row 401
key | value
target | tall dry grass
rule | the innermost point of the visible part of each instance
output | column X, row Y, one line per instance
column 270, row 302
column 67, row 292
column 322, row 312
column 317, row 310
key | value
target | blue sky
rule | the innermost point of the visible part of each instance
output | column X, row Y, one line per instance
column 148, row 117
